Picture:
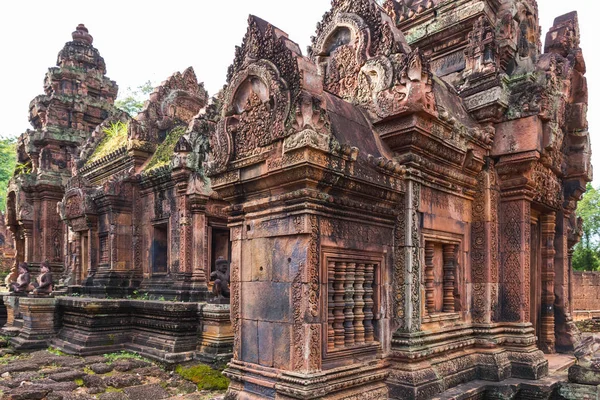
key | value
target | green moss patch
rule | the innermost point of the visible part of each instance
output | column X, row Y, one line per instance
column 114, row 139
column 79, row 382
column 110, row 389
column 204, row 376
column 164, row 151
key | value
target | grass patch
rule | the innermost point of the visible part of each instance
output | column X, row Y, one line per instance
column 204, row 376
column 56, row 351
column 123, row 355
column 164, row 151
column 88, row 371
column 79, row 382
column 116, row 137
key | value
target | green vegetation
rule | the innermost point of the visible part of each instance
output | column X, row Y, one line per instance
column 88, row 370
column 164, row 151
column 79, row 382
column 8, row 162
column 204, row 376
column 123, row 355
column 110, row 389
column 116, row 137
column 586, row 255
column 56, row 351
column 133, row 100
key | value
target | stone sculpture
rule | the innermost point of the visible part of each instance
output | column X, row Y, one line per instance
column 44, row 280
column 23, row 280
column 221, row 278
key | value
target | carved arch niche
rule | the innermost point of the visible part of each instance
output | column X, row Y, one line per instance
column 257, row 105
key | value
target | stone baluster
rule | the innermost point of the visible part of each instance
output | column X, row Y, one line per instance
column 359, row 304
column 330, row 305
column 429, row 278
column 349, row 304
column 369, row 303
column 449, row 277
column 338, row 311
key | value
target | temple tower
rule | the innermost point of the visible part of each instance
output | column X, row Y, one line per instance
column 77, row 97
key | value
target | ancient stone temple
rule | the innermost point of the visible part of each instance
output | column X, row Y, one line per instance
column 397, row 205
column 402, row 198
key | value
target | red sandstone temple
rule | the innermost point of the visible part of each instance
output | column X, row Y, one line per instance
column 397, row 205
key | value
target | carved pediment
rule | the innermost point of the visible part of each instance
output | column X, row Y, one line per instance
column 263, row 82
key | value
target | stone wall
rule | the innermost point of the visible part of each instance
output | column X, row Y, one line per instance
column 586, row 295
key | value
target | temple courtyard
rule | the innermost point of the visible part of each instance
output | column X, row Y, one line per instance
column 53, row 375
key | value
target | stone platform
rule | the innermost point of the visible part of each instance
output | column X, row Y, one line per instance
column 170, row 332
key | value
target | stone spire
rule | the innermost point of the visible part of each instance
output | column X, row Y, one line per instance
column 79, row 53
column 82, row 34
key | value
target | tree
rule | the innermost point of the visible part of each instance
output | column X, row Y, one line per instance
column 586, row 254
column 134, row 100
column 8, row 161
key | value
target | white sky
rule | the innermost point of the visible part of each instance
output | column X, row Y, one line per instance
column 143, row 40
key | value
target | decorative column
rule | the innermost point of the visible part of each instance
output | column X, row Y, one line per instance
column 449, row 277
column 546, row 339
column 199, row 241
column 429, row 278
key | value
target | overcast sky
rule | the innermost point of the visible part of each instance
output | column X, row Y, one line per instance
column 143, row 41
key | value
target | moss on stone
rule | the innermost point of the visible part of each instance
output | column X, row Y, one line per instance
column 114, row 139
column 164, row 151
column 204, row 376
column 79, row 382
column 110, row 389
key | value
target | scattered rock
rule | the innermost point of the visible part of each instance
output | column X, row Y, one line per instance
column 94, row 381
column 121, row 381
column 66, row 376
column 113, row 396
column 186, row 387
column 94, row 359
column 153, row 371
column 129, row 364
column 101, row 368
column 56, row 386
column 26, row 393
column 18, row 366
column 25, row 376
column 145, row 392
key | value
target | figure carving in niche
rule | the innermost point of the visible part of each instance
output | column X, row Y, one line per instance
column 221, row 278
column 22, row 285
column 44, row 280
column 56, row 248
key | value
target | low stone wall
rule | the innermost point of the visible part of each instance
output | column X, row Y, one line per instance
column 586, row 295
column 166, row 331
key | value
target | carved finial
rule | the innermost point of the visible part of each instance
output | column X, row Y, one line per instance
column 81, row 34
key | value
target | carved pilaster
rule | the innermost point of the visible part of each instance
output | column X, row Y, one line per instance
column 515, row 237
